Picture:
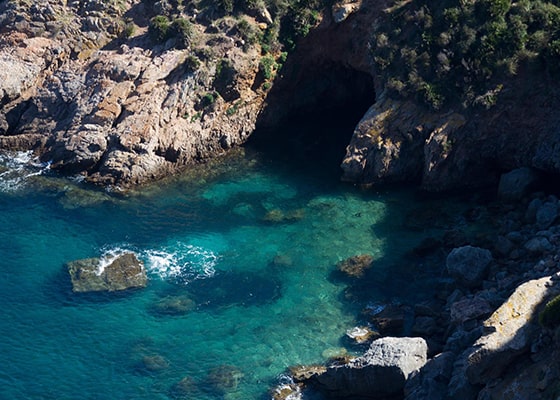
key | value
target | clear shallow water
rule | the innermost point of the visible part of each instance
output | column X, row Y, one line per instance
column 245, row 251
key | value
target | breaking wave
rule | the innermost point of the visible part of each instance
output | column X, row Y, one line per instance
column 181, row 263
column 16, row 169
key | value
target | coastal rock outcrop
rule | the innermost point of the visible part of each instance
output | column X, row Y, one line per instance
column 120, row 273
column 382, row 371
column 513, row 328
column 120, row 110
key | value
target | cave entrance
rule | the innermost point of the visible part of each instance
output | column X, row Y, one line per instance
column 309, row 120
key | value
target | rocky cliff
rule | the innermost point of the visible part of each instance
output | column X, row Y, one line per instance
column 86, row 86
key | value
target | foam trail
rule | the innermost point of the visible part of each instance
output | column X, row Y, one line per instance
column 20, row 166
column 180, row 263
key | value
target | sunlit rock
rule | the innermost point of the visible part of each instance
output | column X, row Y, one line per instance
column 95, row 275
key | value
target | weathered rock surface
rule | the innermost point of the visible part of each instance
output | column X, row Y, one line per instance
column 517, row 183
column 123, row 272
column 430, row 382
column 468, row 264
column 513, row 329
column 118, row 111
column 382, row 371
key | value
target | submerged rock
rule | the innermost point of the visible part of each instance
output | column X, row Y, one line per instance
column 174, row 305
column 123, row 272
column 184, row 389
column 224, row 378
column 153, row 363
column 355, row 266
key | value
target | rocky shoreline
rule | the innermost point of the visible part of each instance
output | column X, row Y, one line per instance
column 480, row 337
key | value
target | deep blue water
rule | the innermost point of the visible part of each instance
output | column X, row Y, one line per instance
column 258, row 294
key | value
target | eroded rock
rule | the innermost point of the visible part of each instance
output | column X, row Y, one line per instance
column 512, row 329
column 468, row 264
column 382, row 371
column 94, row 275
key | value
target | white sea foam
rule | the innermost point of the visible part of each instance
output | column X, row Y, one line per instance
column 109, row 255
column 20, row 166
column 181, row 262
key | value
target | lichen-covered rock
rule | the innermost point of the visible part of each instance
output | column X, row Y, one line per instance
column 381, row 372
column 468, row 264
column 94, row 275
column 512, row 330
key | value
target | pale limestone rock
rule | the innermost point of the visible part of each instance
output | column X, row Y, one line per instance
column 382, row 371
column 512, row 329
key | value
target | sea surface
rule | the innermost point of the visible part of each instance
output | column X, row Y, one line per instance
column 241, row 257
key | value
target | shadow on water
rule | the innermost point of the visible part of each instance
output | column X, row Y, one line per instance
column 223, row 290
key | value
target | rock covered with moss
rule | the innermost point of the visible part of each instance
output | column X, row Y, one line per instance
column 96, row 275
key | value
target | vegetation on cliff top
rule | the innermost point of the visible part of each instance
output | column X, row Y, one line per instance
column 462, row 51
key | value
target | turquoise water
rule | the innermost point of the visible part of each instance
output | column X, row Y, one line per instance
column 244, row 250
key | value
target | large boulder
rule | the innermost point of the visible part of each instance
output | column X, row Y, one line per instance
column 468, row 264
column 430, row 383
column 513, row 329
column 381, row 372
column 94, row 275
column 517, row 183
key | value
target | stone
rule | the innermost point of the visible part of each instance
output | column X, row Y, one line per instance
column 390, row 320
column 225, row 378
column 459, row 387
column 355, row 266
column 547, row 214
column 153, row 363
column 288, row 391
column 381, row 372
column 174, row 305
column 424, row 326
column 362, row 334
column 342, row 11
column 302, row 373
column 532, row 208
column 467, row 309
column 512, row 328
column 517, row 183
column 538, row 245
column 185, row 388
column 430, row 382
column 468, row 265
column 503, row 246
column 93, row 274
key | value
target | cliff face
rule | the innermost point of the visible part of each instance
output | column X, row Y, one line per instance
column 400, row 141
column 118, row 110
column 95, row 97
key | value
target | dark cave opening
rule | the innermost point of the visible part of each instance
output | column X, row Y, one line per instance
column 310, row 120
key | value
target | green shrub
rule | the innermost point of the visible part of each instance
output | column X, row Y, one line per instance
column 183, row 31
column 208, row 99
column 266, row 66
column 159, row 28
column 192, row 63
column 549, row 317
